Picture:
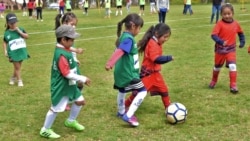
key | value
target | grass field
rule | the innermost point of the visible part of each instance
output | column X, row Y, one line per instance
column 213, row 115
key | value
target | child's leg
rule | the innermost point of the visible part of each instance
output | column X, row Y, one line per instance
column 165, row 99
column 17, row 70
column 120, row 103
column 74, row 112
column 130, row 98
column 49, row 119
column 215, row 76
column 233, row 77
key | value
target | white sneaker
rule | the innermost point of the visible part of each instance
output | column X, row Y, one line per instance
column 12, row 80
column 20, row 83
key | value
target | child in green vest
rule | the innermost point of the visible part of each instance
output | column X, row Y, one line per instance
column 142, row 7
column 118, row 7
column 64, row 81
column 126, row 73
column 107, row 9
column 15, row 47
column 85, row 7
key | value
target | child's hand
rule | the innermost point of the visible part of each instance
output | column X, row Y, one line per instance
column 88, row 81
column 79, row 50
column 225, row 43
column 107, row 67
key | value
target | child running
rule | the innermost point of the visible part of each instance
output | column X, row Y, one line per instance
column 224, row 36
column 15, row 47
column 70, row 18
column 64, row 80
column 151, row 45
column 126, row 73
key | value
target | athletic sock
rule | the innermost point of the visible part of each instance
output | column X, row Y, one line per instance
column 74, row 111
column 49, row 119
column 233, row 76
column 120, row 102
column 136, row 103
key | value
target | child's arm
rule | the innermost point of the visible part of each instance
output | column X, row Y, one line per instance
column 4, row 48
column 65, row 70
column 163, row 59
column 113, row 59
column 23, row 34
column 76, row 50
column 242, row 40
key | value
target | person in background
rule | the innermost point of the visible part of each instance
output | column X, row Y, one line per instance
column 118, row 7
column 86, row 7
column 216, row 5
column 61, row 7
column 68, row 6
column 107, row 9
column 152, row 6
column 15, row 47
column 162, row 7
column 39, row 10
column 128, row 5
column 30, row 8
column 142, row 7
column 2, row 9
column 224, row 35
column 24, row 8
column 188, row 7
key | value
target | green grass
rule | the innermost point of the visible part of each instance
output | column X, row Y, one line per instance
column 212, row 114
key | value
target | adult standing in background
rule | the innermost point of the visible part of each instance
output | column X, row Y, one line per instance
column 162, row 7
column 30, row 8
column 39, row 10
column 216, row 10
column 68, row 6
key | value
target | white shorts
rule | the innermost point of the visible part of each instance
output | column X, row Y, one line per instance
column 60, row 107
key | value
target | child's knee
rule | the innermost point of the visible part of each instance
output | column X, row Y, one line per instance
column 80, row 103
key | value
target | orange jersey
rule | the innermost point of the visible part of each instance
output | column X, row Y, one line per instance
column 153, row 50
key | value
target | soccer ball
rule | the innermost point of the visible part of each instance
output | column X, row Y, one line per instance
column 176, row 113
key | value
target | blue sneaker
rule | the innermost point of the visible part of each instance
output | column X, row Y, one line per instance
column 119, row 115
column 132, row 121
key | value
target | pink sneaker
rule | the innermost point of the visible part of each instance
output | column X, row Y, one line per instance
column 132, row 121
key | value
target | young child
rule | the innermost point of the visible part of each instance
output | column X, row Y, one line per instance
column 118, row 7
column 224, row 35
column 142, row 7
column 85, row 7
column 2, row 9
column 107, row 9
column 162, row 7
column 68, row 6
column 61, row 7
column 126, row 73
column 64, row 80
column 24, row 8
column 152, row 6
column 15, row 47
column 70, row 18
column 30, row 6
column 188, row 7
column 128, row 5
column 151, row 45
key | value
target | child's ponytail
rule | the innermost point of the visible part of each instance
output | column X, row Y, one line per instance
column 118, row 33
column 57, row 20
column 147, row 36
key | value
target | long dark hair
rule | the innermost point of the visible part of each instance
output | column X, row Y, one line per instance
column 67, row 17
column 227, row 5
column 128, row 20
column 158, row 31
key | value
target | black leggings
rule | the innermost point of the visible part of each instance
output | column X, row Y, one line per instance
column 39, row 13
column 30, row 12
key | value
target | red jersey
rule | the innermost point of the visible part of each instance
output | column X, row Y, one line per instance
column 61, row 3
column 226, row 32
column 153, row 50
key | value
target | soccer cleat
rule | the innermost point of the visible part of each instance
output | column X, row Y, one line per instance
column 132, row 121
column 234, row 90
column 212, row 84
column 119, row 115
column 74, row 124
column 12, row 80
column 49, row 133
column 20, row 83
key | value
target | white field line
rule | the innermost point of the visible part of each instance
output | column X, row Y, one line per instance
column 113, row 36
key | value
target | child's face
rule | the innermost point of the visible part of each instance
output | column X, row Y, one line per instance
column 135, row 30
column 12, row 25
column 163, row 38
column 67, row 43
column 73, row 22
column 227, row 14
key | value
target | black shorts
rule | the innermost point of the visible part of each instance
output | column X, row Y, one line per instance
column 135, row 84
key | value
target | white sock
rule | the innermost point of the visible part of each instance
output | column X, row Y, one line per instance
column 136, row 103
column 74, row 111
column 121, row 12
column 49, row 119
column 116, row 13
column 121, row 102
